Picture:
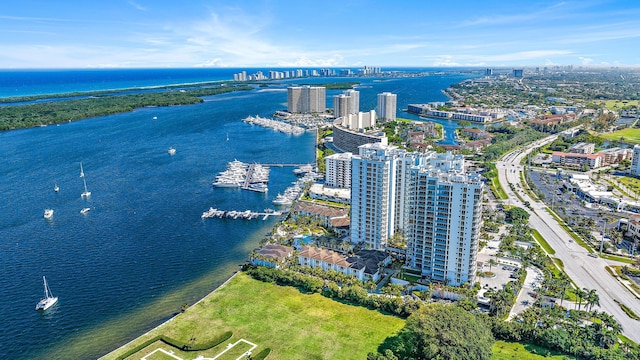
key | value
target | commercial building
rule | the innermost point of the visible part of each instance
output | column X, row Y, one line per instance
column 582, row 148
column 306, row 99
column 387, row 106
column 429, row 198
column 338, row 170
column 576, row 160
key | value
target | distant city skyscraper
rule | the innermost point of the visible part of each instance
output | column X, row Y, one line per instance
column 518, row 73
column 306, row 99
column 387, row 106
column 488, row 72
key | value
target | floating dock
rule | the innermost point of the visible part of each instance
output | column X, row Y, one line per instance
column 234, row 214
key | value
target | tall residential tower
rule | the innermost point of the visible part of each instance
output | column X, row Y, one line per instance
column 306, row 99
column 387, row 106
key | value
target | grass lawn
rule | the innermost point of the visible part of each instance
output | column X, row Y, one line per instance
column 629, row 135
column 618, row 104
column 292, row 324
column 545, row 245
column 630, row 182
column 503, row 350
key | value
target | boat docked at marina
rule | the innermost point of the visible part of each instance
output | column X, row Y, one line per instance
column 49, row 300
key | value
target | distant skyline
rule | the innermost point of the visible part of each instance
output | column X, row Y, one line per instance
column 288, row 33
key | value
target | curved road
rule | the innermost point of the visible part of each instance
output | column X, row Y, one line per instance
column 585, row 271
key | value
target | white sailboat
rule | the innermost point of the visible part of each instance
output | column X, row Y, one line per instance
column 86, row 192
column 49, row 300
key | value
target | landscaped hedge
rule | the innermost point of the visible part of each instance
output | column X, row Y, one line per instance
column 179, row 344
column 196, row 347
column 139, row 347
column 262, row 354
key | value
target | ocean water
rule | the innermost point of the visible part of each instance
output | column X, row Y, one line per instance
column 143, row 250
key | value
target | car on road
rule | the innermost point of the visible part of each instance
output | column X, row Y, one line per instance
column 593, row 255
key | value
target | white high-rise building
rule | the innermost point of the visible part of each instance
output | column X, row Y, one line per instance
column 306, row 99
column 346, row 103
column 387, row 106
column 338, row 170
column 635, row 161
column 443, row 221
column 428, row 197
column 377, row 188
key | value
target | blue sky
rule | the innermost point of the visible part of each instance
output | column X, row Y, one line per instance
column 299, row 33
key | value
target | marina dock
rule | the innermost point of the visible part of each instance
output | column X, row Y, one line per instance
column 234, row 215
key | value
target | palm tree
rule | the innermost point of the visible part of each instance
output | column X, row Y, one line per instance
column 564, row 284
column 580, row 294
column 592, row 298
column 491, row 263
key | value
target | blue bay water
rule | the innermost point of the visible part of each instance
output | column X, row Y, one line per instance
column 143, row 250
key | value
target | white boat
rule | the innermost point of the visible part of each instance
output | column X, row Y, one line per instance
column 56, row 188
column 155, row 118
column 282, row 200
column 49, row 300
column 227, row 136
column 85, row 210
column 172, row 151
column 81, row 171
column 86, row 192
column 48, row 213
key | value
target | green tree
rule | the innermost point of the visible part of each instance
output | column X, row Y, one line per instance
column 437, row 331
column 517, row 215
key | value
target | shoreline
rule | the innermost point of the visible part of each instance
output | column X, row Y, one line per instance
column 171, row 318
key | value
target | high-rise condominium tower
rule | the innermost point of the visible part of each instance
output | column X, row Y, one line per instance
column 387, row 106
column 426, row 196
column 306, row 99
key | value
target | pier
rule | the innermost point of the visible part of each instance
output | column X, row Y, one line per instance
column 234, row 214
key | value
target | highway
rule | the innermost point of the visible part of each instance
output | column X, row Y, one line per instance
column 585, row 271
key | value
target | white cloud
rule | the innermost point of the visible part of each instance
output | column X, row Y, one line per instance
column 585, row 60
column 137, row 6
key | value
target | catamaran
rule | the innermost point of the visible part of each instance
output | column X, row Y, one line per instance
column 49, row 300
column 86, row 192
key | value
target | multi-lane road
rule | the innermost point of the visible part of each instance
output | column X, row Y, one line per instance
column 584, row 270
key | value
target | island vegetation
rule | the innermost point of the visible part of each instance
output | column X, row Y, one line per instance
column 55, row 112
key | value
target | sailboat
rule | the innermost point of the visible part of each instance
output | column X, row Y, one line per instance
column 86, row 192
column 49, row 300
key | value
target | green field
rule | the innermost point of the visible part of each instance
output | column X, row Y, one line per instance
column 503, row 350
column 628, row 135
column 292, row 324
column 618, row 104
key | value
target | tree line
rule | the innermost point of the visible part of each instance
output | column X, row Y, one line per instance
column 47, row 113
